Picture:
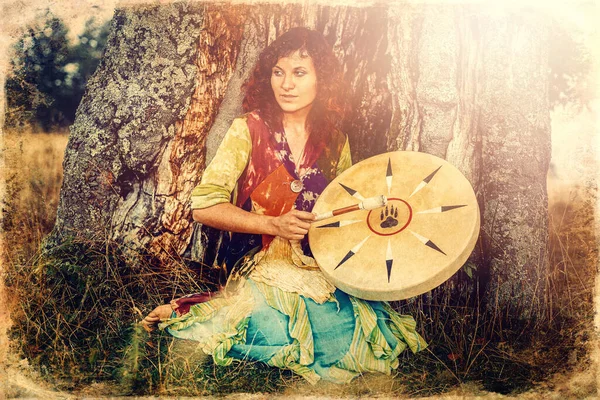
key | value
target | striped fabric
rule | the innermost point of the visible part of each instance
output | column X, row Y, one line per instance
column 371, row 349
column 228, row 331
column 292, row 305
column 364, row 336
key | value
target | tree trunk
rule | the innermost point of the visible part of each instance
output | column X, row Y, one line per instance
column 515, row 143
column 452, row 81
column 472, row 88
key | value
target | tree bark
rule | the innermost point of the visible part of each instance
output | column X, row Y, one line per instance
column 515, row 132
column 454, row 81
column 138, row 141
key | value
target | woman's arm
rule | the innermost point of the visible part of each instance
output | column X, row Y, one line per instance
column 345, row 161
column 211, row 199
column 227, row 217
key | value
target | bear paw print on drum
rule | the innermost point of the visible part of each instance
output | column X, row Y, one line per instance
column 392, row 219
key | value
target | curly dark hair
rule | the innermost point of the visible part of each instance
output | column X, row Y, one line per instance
column 329, row 106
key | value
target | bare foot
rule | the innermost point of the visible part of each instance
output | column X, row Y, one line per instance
column 160, row 313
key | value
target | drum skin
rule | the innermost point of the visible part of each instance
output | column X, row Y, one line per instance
column 416, row 242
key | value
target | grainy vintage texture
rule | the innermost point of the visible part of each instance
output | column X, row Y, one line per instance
column 515, row 143
column 455, row 81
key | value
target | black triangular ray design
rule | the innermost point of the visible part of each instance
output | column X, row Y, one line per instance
column 331, row 225
column 350, row 254
column 389, row 268
column 448, row 208
column 433, row 246
column 389, row 168
column 349, row 190
column 426, row 180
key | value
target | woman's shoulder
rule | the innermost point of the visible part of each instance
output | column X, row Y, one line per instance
column 337, row 140
column 249, row 124
column 250, row 119
column 251, row 116
column 256, row 124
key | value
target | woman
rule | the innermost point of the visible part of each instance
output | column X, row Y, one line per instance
column 274, row 162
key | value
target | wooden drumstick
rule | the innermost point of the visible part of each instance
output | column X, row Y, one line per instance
column 367, row 204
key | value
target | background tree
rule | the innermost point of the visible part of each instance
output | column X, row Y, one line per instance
column 571, row 79
column 49, row 75
column 83, row 60
column 36, row 84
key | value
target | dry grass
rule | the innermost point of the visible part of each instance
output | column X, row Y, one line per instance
column 77, row 305
column 32, row 175
column 509, row 357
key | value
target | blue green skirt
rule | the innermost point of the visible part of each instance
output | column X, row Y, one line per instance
column 336, row 340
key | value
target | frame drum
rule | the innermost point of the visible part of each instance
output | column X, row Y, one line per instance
column 418, row 240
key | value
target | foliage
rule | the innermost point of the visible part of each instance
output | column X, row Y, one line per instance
column 187, row 370
column 38, row 75
column 84, row 58
column 32, row 176
column 571, row 75
column 49, row 74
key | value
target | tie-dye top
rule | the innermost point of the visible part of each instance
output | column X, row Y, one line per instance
column 254, row 169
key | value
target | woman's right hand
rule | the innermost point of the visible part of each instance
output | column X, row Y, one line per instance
column 292, row 225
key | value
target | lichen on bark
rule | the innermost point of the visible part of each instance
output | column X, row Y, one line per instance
column 515, row 131
column 127, row 116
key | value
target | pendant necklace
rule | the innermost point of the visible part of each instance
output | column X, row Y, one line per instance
column 296, row 185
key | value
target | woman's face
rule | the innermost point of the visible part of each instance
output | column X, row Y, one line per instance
column 294, row 83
